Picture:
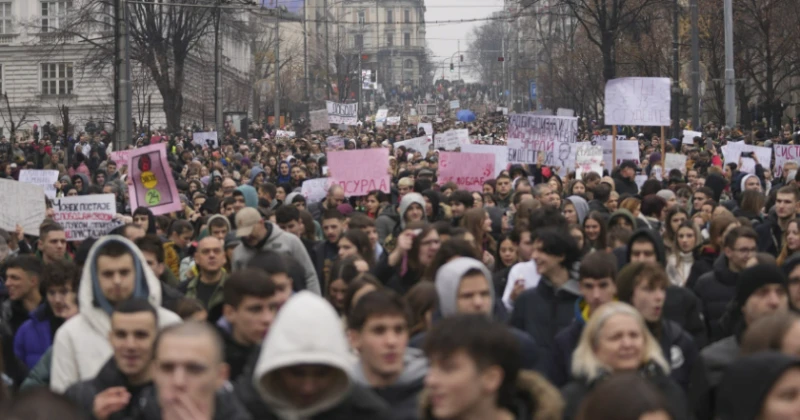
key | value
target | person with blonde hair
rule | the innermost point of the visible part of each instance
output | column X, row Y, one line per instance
column 615, row 340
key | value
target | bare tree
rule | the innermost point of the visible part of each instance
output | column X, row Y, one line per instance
column 17, row 115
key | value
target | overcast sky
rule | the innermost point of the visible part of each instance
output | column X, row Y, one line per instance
column 443, row 38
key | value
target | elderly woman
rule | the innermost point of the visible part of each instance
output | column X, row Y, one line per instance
column 614, row 340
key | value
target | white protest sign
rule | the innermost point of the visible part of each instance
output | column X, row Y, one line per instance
column 392, row 120
column 314, row 190
column 455, row 104
column 733, row 150
column 689, row 135
column 86, row 216
column 588, row 159
column 502, row 108
column 675, row 161
column 22, row 204
column 319, row 120
column 342, row 113
column 428, row 127
column 638, row 101
column 657, row 172
column 500, row 154
column 451, row 139
column 381, row 115
column 785, row 153
column 529, row 135
column 420, row 144
column 626, row 150
column 205, row 138
column 282, row 133
column 565, row 112
column 640, row 180
column 44, row 178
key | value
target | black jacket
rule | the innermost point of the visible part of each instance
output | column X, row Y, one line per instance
column 704, row 259
column 770, row 235
column 226, row 406
column 391, row 277
column 625, row 186
column 84, row 392
column 679, row 350
column 236, row 355
column 565, row 344
column 716, row 289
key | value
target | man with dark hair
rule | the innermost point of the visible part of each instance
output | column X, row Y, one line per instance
column 179, row 236
column 288, row 218
column 207, row 285
column 460, row 201
column 153, row 251
column 600, row 195
column 325, row 252
column 52, row 243
column 544, row 194
column 378, row 329
column 475, row 373
column 119, row 386
column 503, row 192
column 624, row 178
column 23, row 276
column 267, row 192
column 771, row 232
column 218, row 226
column 283, row 270
column 115, row 274
column 700, row 197
column 249, row 310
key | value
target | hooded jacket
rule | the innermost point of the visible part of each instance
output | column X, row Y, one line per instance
column 625, row 185
column 250, row 195
column 403, row 395
column 386, row 221
column 406, row 202
column 308, row 331
column 622, row 213
column 279, row 241
column 716, row 289
column 35, row 336
column 581, row 207
column 254, row 173
column 81, row 346
column 85, row 180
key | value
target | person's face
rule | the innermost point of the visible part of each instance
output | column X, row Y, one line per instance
column 381, row 344
column 188, row 370
column 596, row 292
column 62, row 300
column 478, row 199
column 708, row 209
column 791, row 340
column 676, row 220
column 54, row 245
column 783, row 400
column 372, row 204
column 698, row 200
column 335, row 198
column 198, row 202
column 487, row 223
column 306, row 385
column 116, row 276
column 487, row 189
column 473, row 295
column 691, row 177
column 687, row 239
column 283, row 288
column 458, row 208
column 20, row 284
column 297, row 173
column 238, row 203
column 112, row 167
column 700, row 182
column 78, row 184
column 643, row 251
column 142, row 221
column 569, row 213
column 152, row 261
column 258, row 233
column 332, row 229
column 228, row 187
column 503, row 186
column 648, row 299
column 132, row 336
column 743, row 249
column 545, row 263
column 210, row 255
column 414, row 213
column 428, row 247
column 219, row 232
column 101, row 179
column 456, row 384
column 766, row 300
column 347, row 248
column 284, row 168
column 785, row 206
column 295, row 227
column 402, row 190
column 336, row 292
column 72, row 192
column 182, row 240
column 620, row 343
column 592, row 229
column 508, row 252
column 250, row 321
column 752, row 184
column 579, row 188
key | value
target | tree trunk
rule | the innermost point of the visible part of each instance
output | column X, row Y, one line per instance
column 609, row 60
column 173, row 109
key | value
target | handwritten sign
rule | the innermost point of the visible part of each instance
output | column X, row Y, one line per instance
column 529, row 135
column 335, row 143
column 451, row 139
column 428, row 127
column 152, row 183
column 392, row 120
column 689, row 135
column 455, row 104
column 638, row 101
column 420, row 144
column 22, row 204
column 467, row 170
column 342, row 113
column 360, row 171
column 206, row 138
column 45, row 178
column 121, row 158
column 588, row 159
column 783, row 154
column 500, row 154
column 315, row 190
column 675, row 161
column 380, row 116
column 87, row 216
column 283, row 133
column 733, row 150
column 319, row 120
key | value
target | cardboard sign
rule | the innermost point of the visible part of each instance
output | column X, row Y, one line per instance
column 689, row 135
column 86, row 216
column 45, row 178
column 638, row 101
column 783, row 154
column 342, row 113
column 22, row 204
column 393, row 121
column 626, row 150
column 588, row 159
column 420, row 144
column 455, row 104
column 206, row 138
column 530, row 135
column 152, row 184
column 468, row 170
column 732, row 151
column 360, row 171
column 319, row 120
column 500, row 154
column 282, row 133
column 335, row 143
column 675, row 161
column 451, row 139
column 315, row 190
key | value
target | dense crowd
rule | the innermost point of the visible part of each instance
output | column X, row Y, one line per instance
column 538, row 297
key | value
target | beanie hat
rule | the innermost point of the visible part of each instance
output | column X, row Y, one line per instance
column 756, row 277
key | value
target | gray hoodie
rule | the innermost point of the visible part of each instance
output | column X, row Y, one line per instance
column 448, row 279
column 406, row 202
column 581, row 207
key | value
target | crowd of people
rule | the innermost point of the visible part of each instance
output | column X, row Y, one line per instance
column 538, row 297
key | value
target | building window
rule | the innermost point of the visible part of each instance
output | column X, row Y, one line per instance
column 53, row 15
column 409, row 64
column 57, row 79
column 358, row 41
column 407, row 16
column 362, row 18
column 389, row 40
column 389, row 16
column 407, row 39
column 5, row 18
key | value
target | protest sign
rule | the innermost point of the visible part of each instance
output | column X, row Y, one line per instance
column 342, row 113
column 381, row 115
column 733, row 150
column 455, row 104
column 657, row 173
column 360, row 171
column 335, row 143
column 315, row 190
column 529, row 135
column 392, row 120
column 467, row 170
column 420, row 144
column 638, row 101
column 502, row 108
column 588, row 159
column 626, row 150
column 689, row 135
column 319, row 120
column 451, row 139
column 206, row 138
column 413, row 119
column 565, row 112
column 153, row 185
column 45, row 178
column 121, row 158
column 785, row 153
column 428, row 127
column 22, row 204
column 282, row 133
column 675, row 161
column 640, row 180
column 86, row 216
column 500, row 154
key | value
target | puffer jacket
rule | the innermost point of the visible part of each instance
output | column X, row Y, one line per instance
column 716, row 289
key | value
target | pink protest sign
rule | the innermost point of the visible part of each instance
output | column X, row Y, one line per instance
column 360, row 171
column 467, row 170
column 152, row 184
column 121, row 158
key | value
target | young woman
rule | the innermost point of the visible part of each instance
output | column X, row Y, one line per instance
column 354, row 242
column 681, row 256
column 791, row 242
column 403, row 267
column 706, row 255
column 594, row 229
column 676, row 216
column 372, row 205
column 478, row 223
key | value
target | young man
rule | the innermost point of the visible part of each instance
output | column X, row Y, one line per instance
column 23, row 276
column 153, row 251
column 771, row 232
column 208, row 284
column 180, row 235
column 52, row 243
column 332, row 200
column 717, row 288
column 284, row 271
column 117, row 274
column 258, row 235
column 118, row 387
column 475, row 374
column 249, row 309
column 503, row 192
column 460, row 201
column 326, row 252
column 701, row 196
column 219, row 226
column 377, row 328
column 267, row 192
column 597, row 273
column 288, row 218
